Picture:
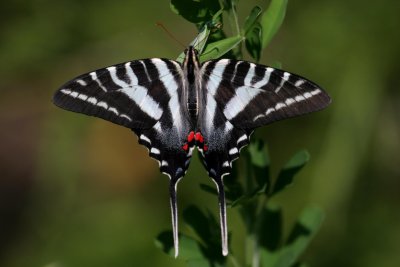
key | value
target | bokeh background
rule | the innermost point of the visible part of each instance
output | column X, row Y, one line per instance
column 78, row 191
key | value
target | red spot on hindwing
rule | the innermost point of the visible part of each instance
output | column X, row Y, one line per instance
column 199, row 137
column 190, row 136
column 185, row 147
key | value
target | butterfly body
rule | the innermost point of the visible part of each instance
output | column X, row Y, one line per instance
column 174, row 108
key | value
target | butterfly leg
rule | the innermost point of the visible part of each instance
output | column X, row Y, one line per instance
column 222, row 214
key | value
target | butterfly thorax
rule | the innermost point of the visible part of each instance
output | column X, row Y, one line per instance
column 191, row 68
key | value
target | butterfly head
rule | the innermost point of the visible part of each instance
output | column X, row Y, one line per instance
column 191, row 56
column 191, row 64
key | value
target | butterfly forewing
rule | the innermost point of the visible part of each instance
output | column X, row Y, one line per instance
column 252, row 95
column 143, row 95
column 239, row 96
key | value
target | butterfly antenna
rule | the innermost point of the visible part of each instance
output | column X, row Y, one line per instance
column 222, row 215
column 159, row 24
column 174, row 213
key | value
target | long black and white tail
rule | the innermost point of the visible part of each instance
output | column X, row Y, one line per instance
column 174, row 213
column 222, row 214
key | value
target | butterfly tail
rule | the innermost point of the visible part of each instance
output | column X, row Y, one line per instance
column 174, row 213
column 222, row 214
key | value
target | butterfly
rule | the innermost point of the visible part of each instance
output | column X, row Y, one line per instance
column 174, row 108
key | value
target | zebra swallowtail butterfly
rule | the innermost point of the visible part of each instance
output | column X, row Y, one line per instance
column 173, row 108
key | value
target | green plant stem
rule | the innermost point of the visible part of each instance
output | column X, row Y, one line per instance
column 249, row 249
column 251, row 238
column 256, row 246
column 252, row 222
column 235, row 21
column 256, row 253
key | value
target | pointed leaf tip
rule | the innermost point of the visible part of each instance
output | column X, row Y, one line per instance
column 252, row 18
column 164, row 241
column 195, row 11
column 272, row 19
column 260, row 161
column 219, row 48
column 253, row 41
column 269, row 228
column 291, row 168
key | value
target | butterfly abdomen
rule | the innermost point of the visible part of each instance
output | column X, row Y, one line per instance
column 192, row 105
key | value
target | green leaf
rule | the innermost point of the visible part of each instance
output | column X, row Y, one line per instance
column 199, row 263
column 233, row 187
column 209, row 189
column 307, row 225
column 246, row 198
column 284, row 258
column 198, row 222
column 165, row 242
column 201, row 39
column 195, row 11
column 199, row 42
column 252, row 18
column 300, row 264
column 303, row 232
column 253, row 41
column 207, row 228
column 232, row 192
column 219, row 48
column 258, row 156
column 293, row 166
column 261, row 163
column 272, row 19
column 189, row 248
column 269, row 227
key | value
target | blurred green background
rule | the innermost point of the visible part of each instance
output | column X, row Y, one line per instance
column 78, row 191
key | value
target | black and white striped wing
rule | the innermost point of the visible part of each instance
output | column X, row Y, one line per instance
column 238, row 97
column 145, row 96
column 251, row 95
column 119, row 94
